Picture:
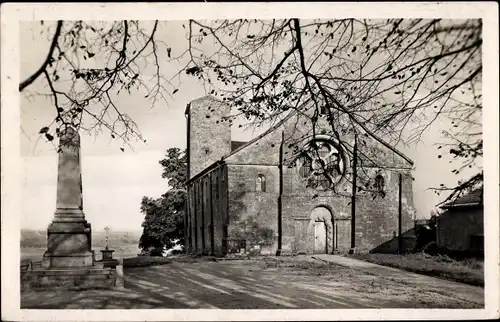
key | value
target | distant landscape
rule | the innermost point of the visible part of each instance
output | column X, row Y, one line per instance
column 125, row 243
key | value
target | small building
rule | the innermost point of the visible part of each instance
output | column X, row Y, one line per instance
column 460, row 227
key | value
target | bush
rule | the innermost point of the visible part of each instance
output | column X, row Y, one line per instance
column 152, row 252
column 431, row 248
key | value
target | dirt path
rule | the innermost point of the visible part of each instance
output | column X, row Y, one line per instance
column 267, row 283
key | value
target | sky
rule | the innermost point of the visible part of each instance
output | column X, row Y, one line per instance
column 114, row 182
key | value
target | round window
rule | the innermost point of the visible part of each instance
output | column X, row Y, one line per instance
column 322, row 164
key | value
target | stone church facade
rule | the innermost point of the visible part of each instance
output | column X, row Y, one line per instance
column 270, row 196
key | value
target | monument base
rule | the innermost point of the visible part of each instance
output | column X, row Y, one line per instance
column 84, row 278
column 68, row 244
column 78, row 260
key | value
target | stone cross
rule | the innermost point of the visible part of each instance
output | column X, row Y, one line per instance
column 69, row 234
column 107, row 236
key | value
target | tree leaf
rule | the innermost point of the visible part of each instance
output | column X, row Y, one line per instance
column 43, row 130
column 49, row 137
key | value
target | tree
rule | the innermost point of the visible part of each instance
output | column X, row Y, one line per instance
column 391, row 78
column 427, row 234
column 88, row 64
column 464, row 144
column 163, row 224
column 175, row 168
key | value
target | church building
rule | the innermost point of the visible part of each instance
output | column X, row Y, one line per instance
column 290, row 190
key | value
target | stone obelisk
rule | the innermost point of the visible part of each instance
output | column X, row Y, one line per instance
column 69, row 234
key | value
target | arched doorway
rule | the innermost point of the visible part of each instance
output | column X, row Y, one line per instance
column 321, row 231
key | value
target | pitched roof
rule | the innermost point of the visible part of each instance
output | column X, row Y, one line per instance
column 473, row 198
column 286, row 118
column 422, row 221
column 257, row 138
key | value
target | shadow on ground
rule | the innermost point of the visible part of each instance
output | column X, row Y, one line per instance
column 248, row 285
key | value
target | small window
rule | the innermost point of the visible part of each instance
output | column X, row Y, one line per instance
column 380, row 185
column 260, row 185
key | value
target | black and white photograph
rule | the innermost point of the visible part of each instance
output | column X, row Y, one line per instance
column 250, row 161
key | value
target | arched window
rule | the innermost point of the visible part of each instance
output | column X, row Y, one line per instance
column 380, row 185
column 260, row 183
column 305, row 166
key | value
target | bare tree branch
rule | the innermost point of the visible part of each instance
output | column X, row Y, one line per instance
column 42, row 68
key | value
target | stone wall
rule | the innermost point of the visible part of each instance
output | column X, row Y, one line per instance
column 376, row 219
column 209, row 136
column 296, row 212
column 207, row 213
column 253, row 214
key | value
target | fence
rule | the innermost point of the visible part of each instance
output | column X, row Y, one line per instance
column 29, row 265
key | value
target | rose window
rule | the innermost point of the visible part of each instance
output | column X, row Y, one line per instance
column 321, row 164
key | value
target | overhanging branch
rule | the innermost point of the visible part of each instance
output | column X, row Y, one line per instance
column 42, row 68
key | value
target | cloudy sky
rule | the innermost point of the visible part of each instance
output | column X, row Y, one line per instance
column 114, row 181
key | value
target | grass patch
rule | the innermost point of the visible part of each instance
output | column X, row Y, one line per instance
column 469, row 271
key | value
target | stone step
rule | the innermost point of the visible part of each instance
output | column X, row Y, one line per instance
column 69, row 278
column 69, row 283
column 72, row 272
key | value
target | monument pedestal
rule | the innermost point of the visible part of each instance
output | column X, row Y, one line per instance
column 107, row 258
column 69, row 241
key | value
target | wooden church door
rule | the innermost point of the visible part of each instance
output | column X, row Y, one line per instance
column 320, row 237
